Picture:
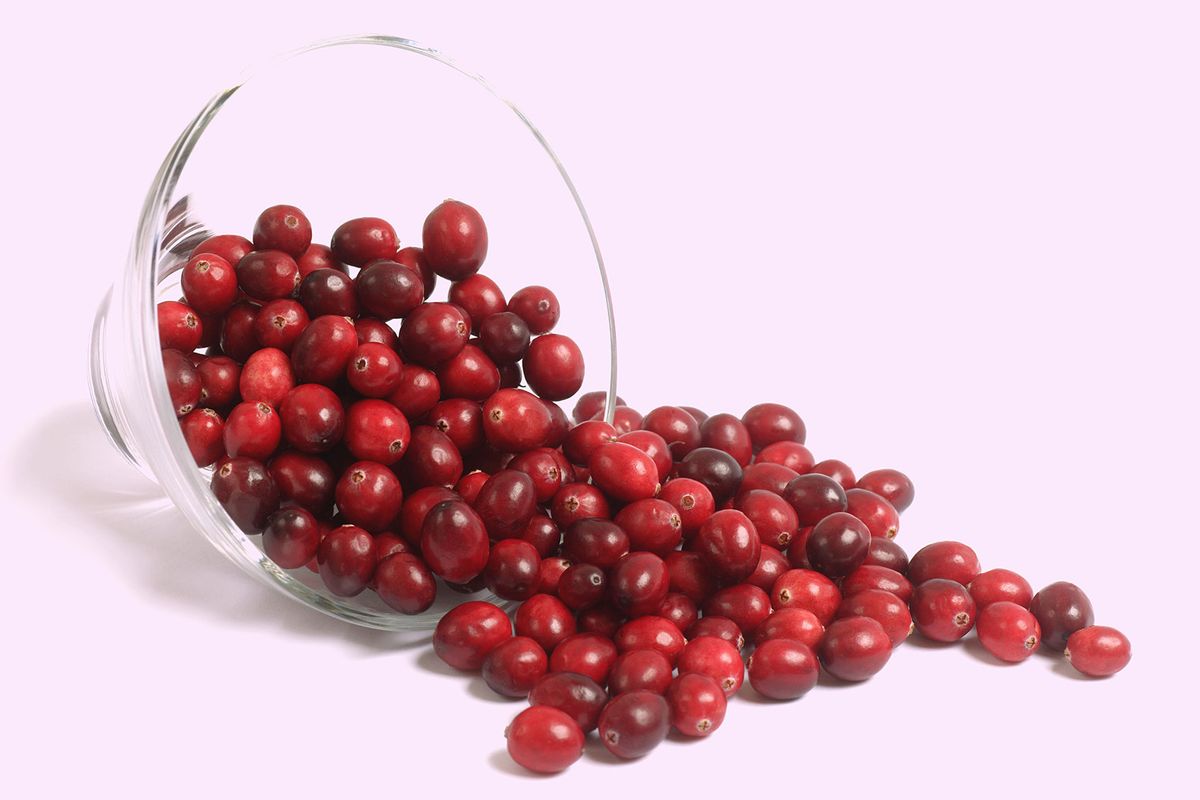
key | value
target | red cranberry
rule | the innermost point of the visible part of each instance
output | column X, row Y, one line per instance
column 368, row 495
column 638, row 670
column 238, row 339
column 506, row 503
column 773, row 517
column 585, row 438
column 538, row 306
column 252, row 430
column 814, row 497
column 792, row 455
column 996, row 585
column 633, row 724
column 623, row 472
column 219, row 379
column 512, row 569
column 404, row 582
column 454, row 541
column 1061, row 609
column 854, row 648
column 559, row 424
column 783, row 669
column 720, row 627
column 875, row 577
column 578, row 696
column 886, row 553
column 691, row 576
column 479, row 296
column 504, row 336
column 942, row 610
column 797, row 551
column 747, row 605
column 697, row 704
column 374, row 330
column 547, row 468
column 247, row 492
column 554, row 366
column 771, row 564
column 323, row 350
column 543, row 534
column 376, row 431
column 461, row 420
column 729, row 544
column 838, row 470
column 283, row 228
column 582, row 586
column 654, row 446
column 203, row 430
column 312, row 418
column 454, row 240
column 291, row 537
column 804, row 588
column 468, row 632
column 637, row 583
column 696, row 413
column 599, row 542
column 838, row 544
column 470, row 374
column 328, row 292
column 578, row 501
column 1098, row 651
column 1008, row 631
column 228, row 246
column 347, row 559
column 417, row 506
column 716, row 658
column 876, row 513
column 883, row 607
column 545, row 619
column 770, row 422
column 388, row 543
column 279, row 323
column 361, row 241
column 693, row 501
column 679, row 609
column 953, row 561
column 431, row 459
column 892, row 485
column 417, row 393
column 717, row 470
column 267, row 377
column 550, row 572
column 514, row 666
column 388, row 290
column 650, row 633
column 515, row 421
column 587, row 654
column 589, row 404
column 268, row 274
column 315, row 257
column 433, row 333
column 726, row 432
column 625, row 420
column 797, row 624
column 414, row 259
column 769, row 477
column 374, row 370
column 653, row 525
column 179, row 327
column 209, row 284
column 677, row 427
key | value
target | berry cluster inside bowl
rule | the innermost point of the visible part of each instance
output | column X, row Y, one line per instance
column 395, row 445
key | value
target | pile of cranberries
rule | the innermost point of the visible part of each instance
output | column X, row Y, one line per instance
column 644, row 556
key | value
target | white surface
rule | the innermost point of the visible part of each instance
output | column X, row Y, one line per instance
column 961, row 244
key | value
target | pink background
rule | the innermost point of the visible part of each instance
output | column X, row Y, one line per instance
column 960, row 242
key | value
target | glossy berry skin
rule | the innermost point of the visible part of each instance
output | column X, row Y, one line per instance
column 623, row 472
column 360, row 241
column 748, row 606
column 414, row 259
column 773, row 478
column 515, row 421
column 586, row 438
column 544, row 740
column 890, row 484
column 545, row 619
column 998, row 585
column 677, row 427
column 369, row 495
column 880, row 517
column 307, row 481
column 237, row 332
column 416, row 508
column 468, row 632
column 883, row 607
column 783, row 669
column 283, row 228
column 717, row 470
column 1098, row 651
column 268, row 275
column 513, row 667
column 388, row 290
column 179, row 327
column 504, row 337
column 697, row 704
column 690, row 575
column 247, row 492
column 692, row 499
column 209, row 284
column 183, row 382
column 716, row 658
column 875, row 577
column 315, row 257
column 952, row 561
column 554, row 366
column 589, row 404
column 792, row 455
column 433, row 333
column 726, row 432
column 729, row 545
column 587, row 654
column 403, row 582
column 266, row 377
column 650, row 633
column 578, row 696
column 814, row 497
column 279, row 323
column 291, row 537
column 479, row 296
column 470, row 374
column 720, row 627
column 461, row 420
column 323, row 350
column 634, row 723
column 679, row 609
column 886, row 553
column 312, row 418
column 374, row 370
column 942, row 610
column 797, row 624
column 454, row 240
column 640, row 670
column 838, row 545
column 540, row 309
column 1008, row 631
column 203, row 430
column 768, row 423
column 652, row 445
column 773, row 517
column 771, row 564
column 543, row 534
column 838, row 470
column 346, row 559
column 506, row 502
column 854, row 648
column 578, row 501
column 419, row 391
column 653, row 525
column 582, row 586
column 808, row 589
column 637, row 583
column 512, row 569
column 252, row 430
column 431, row 459
column 454, row 541
column 328, row 292
column 546, row 468
column 1061, row 609
column 228, row 246
column 374, row 330
column 219, row 379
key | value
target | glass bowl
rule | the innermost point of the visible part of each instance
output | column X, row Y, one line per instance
column 350, row 127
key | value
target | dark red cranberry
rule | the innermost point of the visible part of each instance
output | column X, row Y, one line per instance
column 203, row 430
column 1008, row 631
column 640, row 670
column 679, row 609
column 547, row 468
column 467, row 633
column 590, row 404
column 461, row 420
column 654, row 446
column 886, row 553
column 771, row 564
column 585, row 438
column 179, row 327
column 360, row 241
column 697, row 704
column 554, row 366
column 747, row 605
column 653, row 525
column 624, row 472
column 854, row 648
column 252, row 430
column 515, row 421
column 510, row 376
column 634, row 723
column 454, row 240
column 504, row 336
column 953, row 561
column 506, row 503
column 328, row 292
column 720, row 627
column 431, row 459
column 880, row 517
column 209, row 284
column 417, row 393
column 792, row 455
column 942, row 610
column 677, row 427
column 890, row 484
column 768, row 477
column 883, row 607
column 797, row 551
column 374, row 370
column 291, row 537
column 838, row 545
column 691, row 576
column 514, row 666
column 773, row 517
column 279, row 323
column 578, row 501
column 388, row 543
column 578, row 696
column 266, row 377
column 183, row 382
column 783, row 669
column 268, row 275
column 323, row 350
column 716, row 658
column 692, row 499
column 804, row 588
column 538, row 306
column 454, row 541
column 797, row 624
column 814, row 497
column 587, row 654
column 512, row 569
column 479, row 296
column 417, row 506
column 726, row 432
column 545, row 619
column 305, row 480
column 228, row 246
column 404, row 583
column 638, row 582
column 875, row 577
column 717, row 470
column 997, row 585
column 543, row 534
column 283, row 228
column 312, row 417
column 347, row 559
column 729, row 544
column 388, row 290
column 238, row 339
column 315, row 257
column 559, row 424
column 582, row 586
column 650, row 633
column 414, row 259
column 470, row 374
column 1098, row 651
column 433, row 333
column 550, row 572
column 368, row 495
column 219, row 380
column 838, row 470
column 599, row 542
column 247, row 492
column 374, row 330
column 771, row 422
column 1061, row 609
column 377, row 431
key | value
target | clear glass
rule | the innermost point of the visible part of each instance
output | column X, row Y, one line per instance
column 359, row 126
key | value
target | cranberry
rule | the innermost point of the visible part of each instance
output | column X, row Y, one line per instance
column 650, row 633
column 585, row 438
column 886, row 553
column 283, row 228
column 769, row 477
column 590, row 404
column 388, row 290
column 797, row 624
column 513, row 667
column 238, row 339
column 268, row 274
column 838, row 470
column 771, row 564
column 679, row 609
column 783, row 669
column 623, row 472
column 677, row 427
column 417, row 393
column 875, row 577
column 691, row 576
column 1098, row 651
column 716, row 658
column 797, row 551
column 219, row 379
column 361, row 241
column 773, row 517
column 312, row 418
column 179, row 327
column 637, row 583
column 996, row 585
column 510, row 378
column 377, row 431
column 634, row 723
column 515, row 421
column 554, row 366
column 538, row 306
column 838, row 544
column 768, row 423
column 693, row 501
column 468, row 632
column 599, row 542
column 625, row 420
column 953, row 561
column 252, row 430
column 479, row 296
column 374, row 370
column 697, row 704
column 433, row 333
column 559, row 424
column 369, row 495
column 578, row 696
column 883, row 607
column 454, row 240
column 729, row 544
column 792, row 455
column 470, row 374
column 291, row 537
column 347, row 559
column 417, row 506
column 203, row 430
column 652, row 445
column 545, row 619
column 506, row 503
column 717, row 470
column 547, row 468
column 266, row 377
column 880, row 517
column 543, row 534
column 1008, row 631
column 726, row 432
column 638, row 670
column 653, row 525
column 892, row 485
column 815, row 497
column 747, row 605
column 247, row 492
column 414, row 259
column 323, row 350
column 550, row 572
column 328, row 292
column 454, row 541
column 279, row 323
column 228, row 246
column 942, row 610
column 582, row 586
column 587, row 654
column 1061, row 609
column 315, row 257
column 432, row 459
column 578, row 501
column 374, row 330
column 504, row 336
column 388, row 543
column 854, row 648
column 461, row 420
column 209, row 283
column 720, row 627
column 804, row 588
column 404, row 582
column 512, row 569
